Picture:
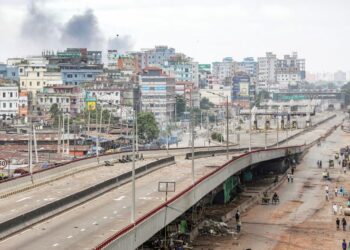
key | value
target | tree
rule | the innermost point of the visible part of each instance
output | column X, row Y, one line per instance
column 180, row 106
column 55, row 113
column 260, row 97
column 147, row 127
column 205, row 103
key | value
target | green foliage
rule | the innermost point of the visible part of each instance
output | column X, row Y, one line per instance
column 205, row 104
column 263, row 95
column 217, row 137
column 147, row 127
column 180, row 106
column 55, row 113
column 95, row 116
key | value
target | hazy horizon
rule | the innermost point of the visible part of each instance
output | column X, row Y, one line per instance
column 204, row 30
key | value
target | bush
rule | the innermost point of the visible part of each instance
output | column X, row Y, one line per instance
column 217, row 136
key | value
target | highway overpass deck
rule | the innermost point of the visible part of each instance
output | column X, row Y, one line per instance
column 86, row 225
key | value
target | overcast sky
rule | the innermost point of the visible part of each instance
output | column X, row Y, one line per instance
column 205, row 30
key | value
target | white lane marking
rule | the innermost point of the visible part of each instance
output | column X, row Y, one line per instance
column 148, row 194
column 120, row 198
column 55, row 245
column 105, row 217
column 115, row 212
column 70, row 236
column 49, row 199
column 124, row 206
column 23, row 199
column 12, row 210
column 82, row 230
column 94, row 223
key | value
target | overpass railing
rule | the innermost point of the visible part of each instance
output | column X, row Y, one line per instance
column 134, row 235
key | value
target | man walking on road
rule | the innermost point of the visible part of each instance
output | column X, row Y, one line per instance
column 288, row 177
column 238, row 215
column 343, row 245
column 336, row 191
column 343, row 222
column 337, row 223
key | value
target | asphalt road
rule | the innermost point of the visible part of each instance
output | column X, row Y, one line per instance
column 85, row 226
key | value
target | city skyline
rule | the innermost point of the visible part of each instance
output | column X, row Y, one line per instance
column 260, row 27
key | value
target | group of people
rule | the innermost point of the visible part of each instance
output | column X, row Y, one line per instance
column 290, row 177
column 343, row 222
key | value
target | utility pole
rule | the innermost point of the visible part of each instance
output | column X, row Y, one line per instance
column 68, row 132
column 277, row 128
column 59, row 134
column 35, row 145
column 133, row 203
column 227, row 132
column 63, row 132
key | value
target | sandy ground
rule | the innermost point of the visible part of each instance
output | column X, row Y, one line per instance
column 303, row 219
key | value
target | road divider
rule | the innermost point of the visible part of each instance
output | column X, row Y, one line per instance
column 44, row 212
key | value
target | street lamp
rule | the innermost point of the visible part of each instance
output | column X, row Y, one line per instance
column 252, row 114
column 227, row 122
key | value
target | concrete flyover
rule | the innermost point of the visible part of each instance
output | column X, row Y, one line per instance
column 134, row 235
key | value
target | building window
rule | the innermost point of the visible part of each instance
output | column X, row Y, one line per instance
column 38, row 84
column 4, row 105
column 30, row 83
column 69, row 76
column 37, row 74
column 11, row 94
column 4, row 94
column 89, row 75
column 22, row 83
column 10, row 104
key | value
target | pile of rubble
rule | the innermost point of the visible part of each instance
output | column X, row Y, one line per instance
column 210, row 227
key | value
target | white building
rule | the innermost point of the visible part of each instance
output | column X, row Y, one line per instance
column 33, row 77
column 9, row 102
column 158, row 94
column 109, row 97
column 217, row 94
column 266, row 71
column 225, row 70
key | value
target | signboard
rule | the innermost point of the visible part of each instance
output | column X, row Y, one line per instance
column 244, row 89
column 91, row 105
column 3, row 163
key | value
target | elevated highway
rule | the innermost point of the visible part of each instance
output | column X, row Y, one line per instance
column 107, row 217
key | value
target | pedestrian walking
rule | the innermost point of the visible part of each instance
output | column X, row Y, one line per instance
column 288, row 177
column 327, row 197
column 335, row 208
column 293, row 170
column 337, row 222
column 238, row 216
column 341, row 210
column 291, row 178
column 336, row 191
column 343, row 222
column 239, row 226
column 343, row 245
column 326, row 188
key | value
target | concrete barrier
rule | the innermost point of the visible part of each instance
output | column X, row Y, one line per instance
column 25, row 220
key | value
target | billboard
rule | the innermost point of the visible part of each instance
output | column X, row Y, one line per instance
column 91, row 105
column 244, row 89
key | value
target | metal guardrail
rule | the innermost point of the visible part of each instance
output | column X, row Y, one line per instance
column 25, row 220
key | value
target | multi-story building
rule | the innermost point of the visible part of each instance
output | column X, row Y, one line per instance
column 158, row 93
column 23, row 104
column 9, row 72
column 225, row 70
column 8, row 101
column 157, row 56
column 204, row 70
column 34, row 77
column 76, row 74
column 275, row 74
column 267, row 71
column 340, row 76
column 109, row 97
column 249, row 66
column 69, row 99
